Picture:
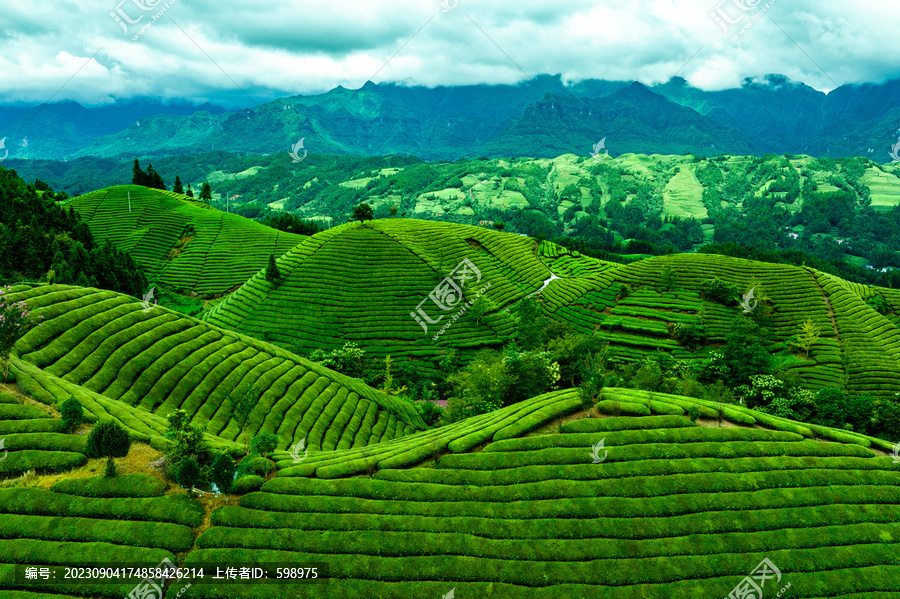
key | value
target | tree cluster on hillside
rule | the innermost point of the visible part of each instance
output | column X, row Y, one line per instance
column 150, row 178
column 42, row 241
column 547, row 355
column 290, row 223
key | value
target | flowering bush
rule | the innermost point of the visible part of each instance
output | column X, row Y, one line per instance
column 774, row 396
column 15, row 320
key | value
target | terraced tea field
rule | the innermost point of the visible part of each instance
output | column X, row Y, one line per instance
column 361, row 284
column 884, row 187
column 648, row 505
column 666, row 509
column 182, row 243
column 36, row 439
column 135, row 365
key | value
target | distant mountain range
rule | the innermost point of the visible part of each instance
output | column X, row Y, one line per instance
column 541, row 117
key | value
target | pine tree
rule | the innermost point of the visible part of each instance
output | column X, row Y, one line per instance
column 272, row 273
column 154, row 180
column 138, row 176
column 177, row 188
column 190, row 192
column 206, row 193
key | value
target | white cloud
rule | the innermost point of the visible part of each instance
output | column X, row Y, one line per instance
column 286, row 47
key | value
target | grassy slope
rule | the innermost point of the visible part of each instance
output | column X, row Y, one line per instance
column 180, row 242
column 136, row 366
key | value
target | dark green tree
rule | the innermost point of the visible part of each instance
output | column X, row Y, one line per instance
column 72, row 413
column 531, row 324
column 363, row 212
column 178, row 188
column 138, row 176
column 745, row 354
column 206, row 193
column 190, row 192
column 242, row 402
column 108, row 440
column 223, row 469
column 264, row 443
column 188, row 474
column 188, row 442
column 154, row 180
column 272, row 273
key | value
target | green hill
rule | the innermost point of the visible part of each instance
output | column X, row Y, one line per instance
column 180, row 242
column 360, row 283
column 136, row 364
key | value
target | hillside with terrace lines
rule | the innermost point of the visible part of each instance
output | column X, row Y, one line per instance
column 359, row 283
column 134, row 365
column 181, row 242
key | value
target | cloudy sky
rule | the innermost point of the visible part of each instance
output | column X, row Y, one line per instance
column 240, row 53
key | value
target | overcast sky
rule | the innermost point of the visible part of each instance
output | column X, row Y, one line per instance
column 240, row 53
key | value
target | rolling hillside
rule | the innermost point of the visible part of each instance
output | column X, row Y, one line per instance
column 360, row 283
column 181, row 243
column 646, row 504
column 136, row 365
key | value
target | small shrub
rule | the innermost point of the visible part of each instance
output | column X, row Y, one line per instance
column 257, row 465
column 692, row 336
column 430, row 412
column 693, row 412
column 878, row 304
column 719, row 291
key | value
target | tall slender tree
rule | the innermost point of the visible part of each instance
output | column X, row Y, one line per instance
column 177, row 188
